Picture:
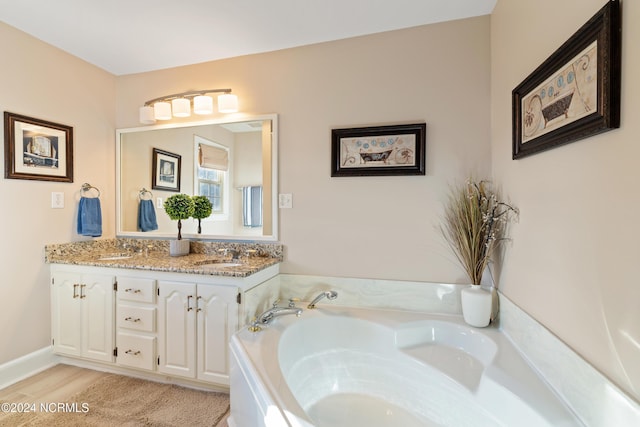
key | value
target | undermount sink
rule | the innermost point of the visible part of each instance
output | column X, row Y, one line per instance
column 222, row 264
column 217, row 263
column 109, row 257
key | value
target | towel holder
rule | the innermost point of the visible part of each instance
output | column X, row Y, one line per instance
column 88, row 187
column 143, row 192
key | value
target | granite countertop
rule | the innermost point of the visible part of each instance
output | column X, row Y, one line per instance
column 155, row 257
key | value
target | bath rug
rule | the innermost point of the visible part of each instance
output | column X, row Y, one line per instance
column 117, row 400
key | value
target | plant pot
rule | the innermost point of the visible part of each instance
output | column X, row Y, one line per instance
column 179, row 247
column 476, row 306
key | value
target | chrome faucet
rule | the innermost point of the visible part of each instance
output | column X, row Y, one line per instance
column 275, row 311
column 266, row 317
column 235, row 254
column 330, row 295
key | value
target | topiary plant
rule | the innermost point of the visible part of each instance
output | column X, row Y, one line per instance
column 203, row 209
column 179, row 207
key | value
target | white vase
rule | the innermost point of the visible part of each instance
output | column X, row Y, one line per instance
column 476, row 306
column 179, row 247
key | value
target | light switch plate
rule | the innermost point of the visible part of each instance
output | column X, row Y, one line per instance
column 285, row 201
column 57, row 200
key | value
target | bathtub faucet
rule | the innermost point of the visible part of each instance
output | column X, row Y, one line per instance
column 277, row 311
column 330, row 295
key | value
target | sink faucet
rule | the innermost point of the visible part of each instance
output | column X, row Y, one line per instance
column 226, row 252
column 330, row 295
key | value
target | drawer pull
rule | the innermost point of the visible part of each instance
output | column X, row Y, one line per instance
column 132, row 352
column 75, row 289
column 131, row 319
column 82, row 295
column 135, row 291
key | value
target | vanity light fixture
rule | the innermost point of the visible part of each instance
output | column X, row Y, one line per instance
column 179, row 105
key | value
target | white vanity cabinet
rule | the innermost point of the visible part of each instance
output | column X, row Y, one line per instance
column 156, row 322
column 195, row 323
column 82, row 314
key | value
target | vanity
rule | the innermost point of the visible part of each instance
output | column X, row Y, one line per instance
column 126, row 304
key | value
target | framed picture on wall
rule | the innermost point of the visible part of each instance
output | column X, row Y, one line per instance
column 165, row 171
column 37, row 149
column 575, row 93
column 379, row 150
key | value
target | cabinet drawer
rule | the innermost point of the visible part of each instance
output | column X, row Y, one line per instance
column 136, row 318
column 136, row 289
column 136, row 351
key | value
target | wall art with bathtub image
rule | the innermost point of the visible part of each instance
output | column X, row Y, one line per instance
column 165, row 170
column 37, row 149
column 379, row 150
column 575, row 93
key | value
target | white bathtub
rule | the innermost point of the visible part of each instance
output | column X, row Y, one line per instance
column 337, row 367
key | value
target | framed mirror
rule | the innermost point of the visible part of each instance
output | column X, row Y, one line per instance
column 231, row 162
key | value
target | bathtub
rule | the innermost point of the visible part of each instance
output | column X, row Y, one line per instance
column 335, row 367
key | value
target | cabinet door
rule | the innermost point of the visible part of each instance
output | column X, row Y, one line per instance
column 177, row 328
column 217, row 320
column 66, row 309
column 96, row 293
column 82, row 315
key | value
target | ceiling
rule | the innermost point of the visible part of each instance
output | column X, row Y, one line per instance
column 133, row 36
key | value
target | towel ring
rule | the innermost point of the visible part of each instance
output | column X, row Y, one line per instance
column 142, row 193
column 88, row 187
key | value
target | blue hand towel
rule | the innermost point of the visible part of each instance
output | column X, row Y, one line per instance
column 89, row 217
column 147, row 216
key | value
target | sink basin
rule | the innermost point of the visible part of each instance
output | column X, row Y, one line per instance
column 221, row 264
column 217, row 263
column 108, row 257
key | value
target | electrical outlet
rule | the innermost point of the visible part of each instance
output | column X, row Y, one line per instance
column 159, row 203
column 285, row 201
column 57, row 200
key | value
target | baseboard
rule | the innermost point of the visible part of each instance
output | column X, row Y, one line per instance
column 26, row 366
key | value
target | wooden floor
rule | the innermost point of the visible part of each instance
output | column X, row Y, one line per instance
column 53, row 385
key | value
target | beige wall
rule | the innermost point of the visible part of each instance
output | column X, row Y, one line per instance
column 573, row 262
column 46, row 83
column 358, row 227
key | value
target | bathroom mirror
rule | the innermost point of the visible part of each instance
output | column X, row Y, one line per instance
column 232, row 162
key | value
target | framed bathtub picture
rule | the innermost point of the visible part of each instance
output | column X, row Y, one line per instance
column 37, row 149
column 575, row 93
column 379, row 150
column 165, row 170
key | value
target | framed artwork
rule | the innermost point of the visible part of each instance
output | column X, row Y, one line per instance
column 575, row 93
column 379, row 150
column 165, row 171
column 37, row 149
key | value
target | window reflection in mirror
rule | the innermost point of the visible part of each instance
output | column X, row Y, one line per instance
column 246, row 149
column 211, row 173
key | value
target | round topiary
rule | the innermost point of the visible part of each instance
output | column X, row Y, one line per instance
column 179, row 207
column 203, row 209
